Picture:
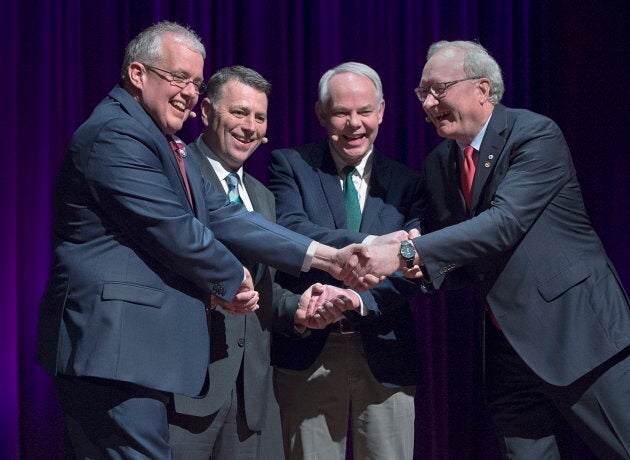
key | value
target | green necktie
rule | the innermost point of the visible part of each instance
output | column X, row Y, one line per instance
column 353, row 209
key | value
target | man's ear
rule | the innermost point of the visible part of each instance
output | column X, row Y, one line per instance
column 207, row 111
column 484, row 90
column 135, row 74
column 381, row 111
column 321, row 116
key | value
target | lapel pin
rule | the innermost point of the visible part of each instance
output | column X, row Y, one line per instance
column 487, row 165
column 490, row 157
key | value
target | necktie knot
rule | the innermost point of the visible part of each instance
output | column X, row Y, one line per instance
column 232, row 180
column 177, row 146
column 348, row 171
column 469, row 151
column 351, row 198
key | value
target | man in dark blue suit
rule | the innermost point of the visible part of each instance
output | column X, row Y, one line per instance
column 141, row 244
column 362, row 369
column 502, row 207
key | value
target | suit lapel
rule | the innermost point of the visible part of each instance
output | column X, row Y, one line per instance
column 331, row 186
column 450, row 171
column 263, row 207
column 196, row 186
column 256, row 197
column 489, row 152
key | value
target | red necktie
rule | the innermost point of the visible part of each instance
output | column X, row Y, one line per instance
column 467, row 174
column 179, row 150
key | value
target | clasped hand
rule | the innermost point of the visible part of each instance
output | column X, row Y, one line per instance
column 245, row 301
column 323, row 304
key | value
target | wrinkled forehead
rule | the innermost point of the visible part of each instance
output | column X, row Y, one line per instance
column 446, row 64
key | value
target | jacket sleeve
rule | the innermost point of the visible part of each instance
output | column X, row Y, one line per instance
column 532, row 170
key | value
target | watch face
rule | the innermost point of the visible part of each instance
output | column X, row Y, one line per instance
column 407, row 251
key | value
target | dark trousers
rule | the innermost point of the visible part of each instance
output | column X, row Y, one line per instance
column 107, row 419
column 533, row 418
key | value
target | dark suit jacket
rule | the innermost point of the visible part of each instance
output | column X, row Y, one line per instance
column 528, row 245
column 309, row 200
column 237, row 340
column 134, row 263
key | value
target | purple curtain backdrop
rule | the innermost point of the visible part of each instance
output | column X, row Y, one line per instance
column 564, row 59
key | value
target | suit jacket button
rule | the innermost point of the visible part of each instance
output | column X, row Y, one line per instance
column 241, row 342
column 481, row 277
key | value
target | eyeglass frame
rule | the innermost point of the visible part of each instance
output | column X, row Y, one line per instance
column 439, row 95
column 178, row 80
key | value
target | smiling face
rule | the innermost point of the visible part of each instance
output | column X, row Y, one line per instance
column 352, row 114
column 235, row 127
column 167, row 104
column 463, row 110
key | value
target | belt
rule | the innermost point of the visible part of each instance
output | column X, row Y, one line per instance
column 342, row 326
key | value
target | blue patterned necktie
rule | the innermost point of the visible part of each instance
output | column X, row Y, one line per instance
column 351, row 198
column 232, row 183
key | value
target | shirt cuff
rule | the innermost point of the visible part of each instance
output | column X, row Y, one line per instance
column 362, row 310
column 310, row 254
column 368, row 239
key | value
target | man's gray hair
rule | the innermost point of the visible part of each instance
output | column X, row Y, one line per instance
column 146, row 47
column 477, row 63
column 350, row 67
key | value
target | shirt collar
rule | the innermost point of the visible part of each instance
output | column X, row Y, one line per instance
column 476, row 142
column 363, row 168
column 216, row 163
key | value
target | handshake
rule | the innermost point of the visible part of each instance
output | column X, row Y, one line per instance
column 359, row 266
column 362, row 266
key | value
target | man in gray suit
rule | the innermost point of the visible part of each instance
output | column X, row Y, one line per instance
column 239, row 417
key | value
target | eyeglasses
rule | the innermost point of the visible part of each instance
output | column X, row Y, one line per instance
column 438, row 90
column 179, row 80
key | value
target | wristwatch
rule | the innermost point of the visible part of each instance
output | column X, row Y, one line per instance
column 407, row 252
